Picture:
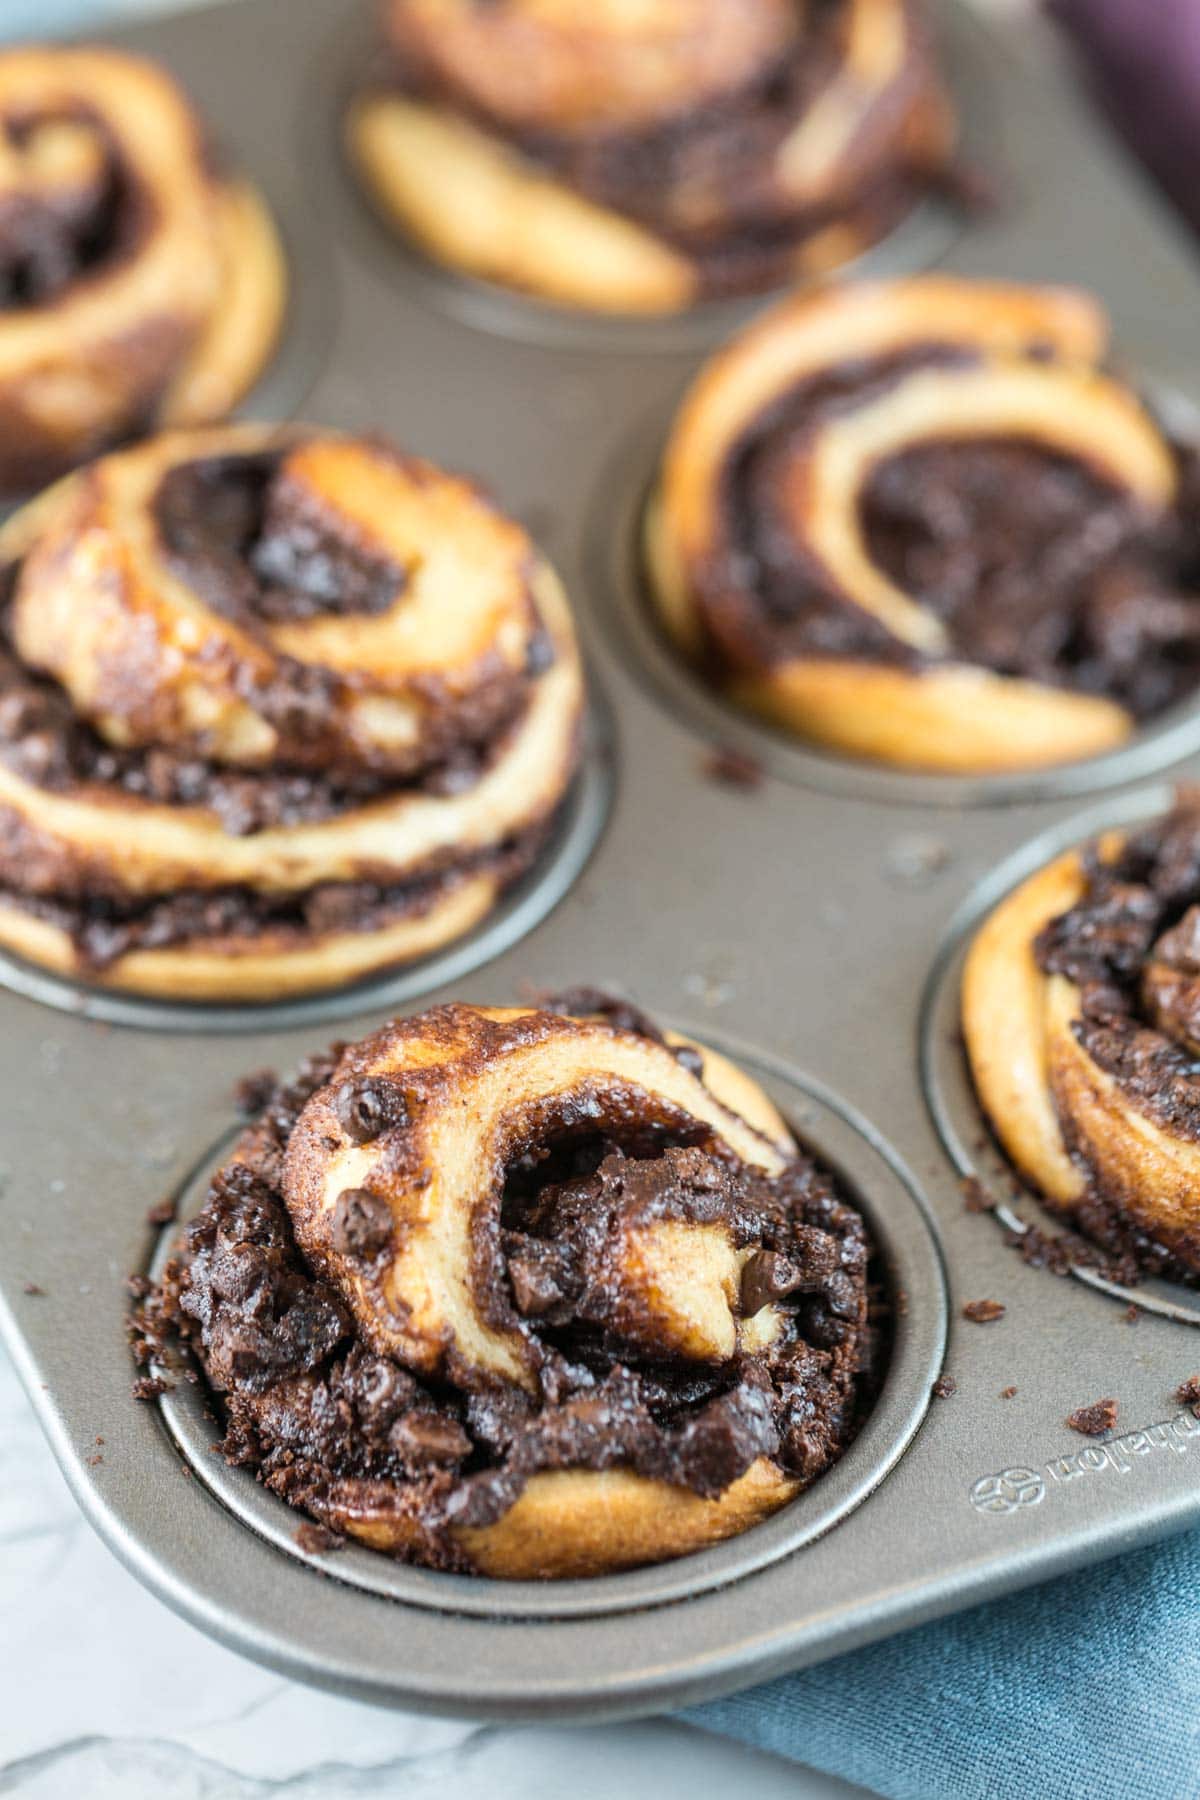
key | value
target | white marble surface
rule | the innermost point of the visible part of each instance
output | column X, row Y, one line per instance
column 108, row 1696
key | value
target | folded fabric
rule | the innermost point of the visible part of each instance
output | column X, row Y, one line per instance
column 1089, row 1685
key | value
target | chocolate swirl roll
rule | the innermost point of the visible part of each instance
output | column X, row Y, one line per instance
column 277, row 709
column 640, row 155
column 1081, row 1012
column 527, row 1294
column 919, row 523
column 138, row 287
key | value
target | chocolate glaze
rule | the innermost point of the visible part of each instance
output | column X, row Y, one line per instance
column 704, row 180
column 1036, row 566
column 327, row 1422
column 1130, row 947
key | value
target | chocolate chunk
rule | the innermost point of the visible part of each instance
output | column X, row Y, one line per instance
column 366, row 1109
column 767, row 1276
column 362, row 1223
column 983, row 1312
column 722, row 1441
column 535, row 1289
column 1094, row 1420
column 421, row 1438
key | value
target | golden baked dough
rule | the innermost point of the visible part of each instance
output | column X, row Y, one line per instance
column 637, row 155
column 579, row 1299
column 764, row 564
column 1079, row 1001
column 246, row 746
column 135, row 285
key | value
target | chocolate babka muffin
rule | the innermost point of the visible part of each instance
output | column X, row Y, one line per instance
column 920, row 522
column 526, row 1293
column 138, row 286
column 277, row 709
column 640, row 157
column 1081, row 1013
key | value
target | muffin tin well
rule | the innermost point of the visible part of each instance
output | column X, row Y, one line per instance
column 808, row 925
column 908, row 1265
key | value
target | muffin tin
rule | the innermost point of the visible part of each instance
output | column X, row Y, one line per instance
column 809, row 926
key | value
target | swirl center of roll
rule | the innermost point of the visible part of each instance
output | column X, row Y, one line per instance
column 64, row 205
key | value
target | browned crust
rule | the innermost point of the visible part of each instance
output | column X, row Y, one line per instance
column 569, row 1523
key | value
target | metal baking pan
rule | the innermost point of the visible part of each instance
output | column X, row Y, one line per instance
column 810, row 927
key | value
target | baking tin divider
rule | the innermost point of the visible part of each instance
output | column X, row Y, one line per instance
column 798, row 922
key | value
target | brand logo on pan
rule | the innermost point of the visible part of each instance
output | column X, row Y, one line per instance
column 1014, row 1489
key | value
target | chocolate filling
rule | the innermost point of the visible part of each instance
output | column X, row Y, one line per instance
column 704, row 180
column 252, row 544
column 104, row 928
column 327, row 1422
column 1132, row 947
column 56, row 228
column 1036, row 566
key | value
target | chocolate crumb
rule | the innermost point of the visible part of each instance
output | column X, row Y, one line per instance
column 162, row 1214
column 1132, row 1314
column 983, row 1312
column 316, row 1540
column 1188, row 1392
column 149, row 1387
column 253, row 1092
column 976, row 1198
column 93, row 1462
column 1093, row 1420
column 944, row 1386
column 733, row 768
column 138, row 1285
column 33, row 1290
column 1008, row 1393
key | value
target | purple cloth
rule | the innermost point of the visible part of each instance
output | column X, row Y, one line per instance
column 1143, row 57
